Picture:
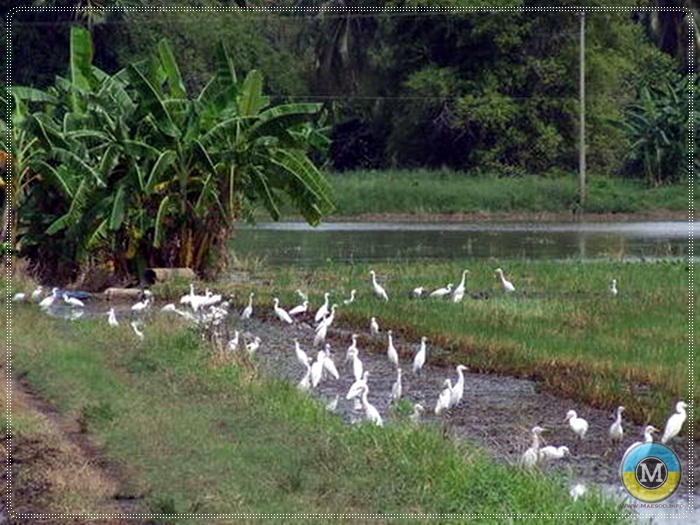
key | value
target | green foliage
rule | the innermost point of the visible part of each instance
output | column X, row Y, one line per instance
column 657, row 127
column 140, row 173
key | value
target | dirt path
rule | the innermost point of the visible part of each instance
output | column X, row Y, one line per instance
column 56, row 469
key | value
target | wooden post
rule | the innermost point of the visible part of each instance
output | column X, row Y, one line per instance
column 582, row 117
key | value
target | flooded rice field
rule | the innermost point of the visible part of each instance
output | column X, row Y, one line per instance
column 496, row 414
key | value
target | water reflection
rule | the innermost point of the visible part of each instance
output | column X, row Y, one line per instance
column 298, row 243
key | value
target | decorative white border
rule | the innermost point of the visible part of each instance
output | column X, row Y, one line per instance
column 360, row 10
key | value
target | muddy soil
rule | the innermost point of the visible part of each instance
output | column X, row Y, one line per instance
column 496, row 412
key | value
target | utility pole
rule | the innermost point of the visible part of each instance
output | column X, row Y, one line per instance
column 582, row 117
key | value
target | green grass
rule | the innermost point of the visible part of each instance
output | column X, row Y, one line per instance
column 191, row 436
column 445, row 191
column 562, row 327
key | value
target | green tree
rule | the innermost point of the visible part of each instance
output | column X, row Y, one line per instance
column 148, row 175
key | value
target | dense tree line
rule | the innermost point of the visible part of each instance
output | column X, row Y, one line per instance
column 136, row 140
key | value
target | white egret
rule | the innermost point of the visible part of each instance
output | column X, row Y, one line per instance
column 253, row 346
column 48, row 301
column 507, row 285
column 648, row 438
column 232, row 345
column 357, row 367
column 138, row 332
column 458, row 388
column 112, row 319
column 419, row 359
column 328, row 363
column 356, row 388
column 550, row 452
column 351, row 299
column 321, row 332
column 391, row 352
column 247, row 312
column 577, row 424
column 443, row 402
column 141, row 305
column 417, row 411
column 317, row 369
column 379, row 290
column 616, row 431
column 302, row 295
column 73, row 301
column 458, row 293
column 305, row 383
column 396, row 388
column 281, row 313
column 19, row 297
column 300, row 309
column 675, row 422
column 577, row 491
column 332, row 404
column 613, row 287
column 328, row 320
column 185, row 299
column 36, row 294
column 417, row 292
column 301, row 355
column 442, row 292
column 352, row 348
column 371, row 413
column 373, row 327
column 323, row 310
column 532, row 455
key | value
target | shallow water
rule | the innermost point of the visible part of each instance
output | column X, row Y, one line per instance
column 300, row 244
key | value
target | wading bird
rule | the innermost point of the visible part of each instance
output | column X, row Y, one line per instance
column 444, row 401
column 417, row 411
column 371, row 413
column 532, row 455
column 253, row 346
column 323, row 310
column 138, row 332
column 391, row 352
column 675, row 422
column 458, row 293
column 442, row 292
column 36, row 294
column 419, row 359
column 373, row 327
column 613, row 287
column 648, row 438
column 396, row 388
column 73, row 301
column 550, row 452
column 247, row 312
column 417, row 292
column 616, row 431
column 281, row 313
column 300, row 309
column 351, row 298
column 505, row 284
column 301, row 355
column 458, row 388
column 48, row 301
column 112, row 319
column 379, row 290
column 577, row 424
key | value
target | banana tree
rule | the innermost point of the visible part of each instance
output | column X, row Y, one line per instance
column 145, row 174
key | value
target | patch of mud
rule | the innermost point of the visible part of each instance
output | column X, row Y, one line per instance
column 41, row 468
column 496, row 412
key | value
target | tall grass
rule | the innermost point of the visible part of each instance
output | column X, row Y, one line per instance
column 192, row 437
column 445, row 191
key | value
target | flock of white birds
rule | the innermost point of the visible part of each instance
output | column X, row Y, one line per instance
column 210, row 309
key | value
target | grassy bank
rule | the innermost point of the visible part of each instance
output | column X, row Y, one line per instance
column 193, row 436
column 445, row 192
column 562, row 326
